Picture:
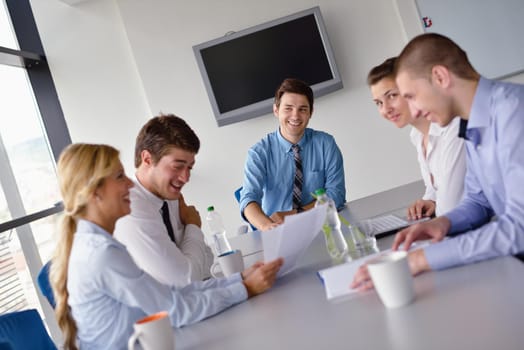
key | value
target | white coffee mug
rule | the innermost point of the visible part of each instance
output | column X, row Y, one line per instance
column 153, row 332
column 392, row 278
column 229, row 263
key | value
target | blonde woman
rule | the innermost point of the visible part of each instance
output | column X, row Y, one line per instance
column 99, row 290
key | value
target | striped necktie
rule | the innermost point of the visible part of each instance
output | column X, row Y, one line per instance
column 299, row 178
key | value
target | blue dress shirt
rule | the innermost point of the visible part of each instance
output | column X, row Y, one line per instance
column 270, row 170
column 494, row 183
column 108, row 292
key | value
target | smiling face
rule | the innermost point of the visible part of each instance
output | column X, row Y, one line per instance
column 293, row 115
column 390, row 104
column 113, row 195
column 166, row 178
column 426, row 98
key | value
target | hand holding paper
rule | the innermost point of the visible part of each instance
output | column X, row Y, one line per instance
column 337, row 279
column 293, row 237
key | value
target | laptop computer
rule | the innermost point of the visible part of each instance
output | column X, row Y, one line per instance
column 381, row 225
column 388, row 224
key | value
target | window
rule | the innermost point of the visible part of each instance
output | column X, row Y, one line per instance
column 29, row 179
column 7, row 37
column 32, row 134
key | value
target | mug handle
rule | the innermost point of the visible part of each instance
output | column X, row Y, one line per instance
column 213, row 268
column 132, row 340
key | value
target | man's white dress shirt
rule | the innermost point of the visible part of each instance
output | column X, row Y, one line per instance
column 145, row 236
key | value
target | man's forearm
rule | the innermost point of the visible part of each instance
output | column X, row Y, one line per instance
column 254, row 214
column 309, row 205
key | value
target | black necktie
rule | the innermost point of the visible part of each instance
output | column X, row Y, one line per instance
column 167, row 221
column 297, row 183
column 463, row 126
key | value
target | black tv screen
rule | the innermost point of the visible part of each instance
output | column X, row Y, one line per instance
column 241, row 71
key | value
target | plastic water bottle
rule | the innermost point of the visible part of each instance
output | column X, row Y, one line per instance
column 336, row 244
column 218, row 232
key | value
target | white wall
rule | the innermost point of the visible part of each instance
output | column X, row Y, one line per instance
column 94, row 72
column 161, row 35
column 116, row 64
column 412, row 26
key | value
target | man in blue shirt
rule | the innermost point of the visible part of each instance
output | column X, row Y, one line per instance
column 270, row 169
column 437, row 79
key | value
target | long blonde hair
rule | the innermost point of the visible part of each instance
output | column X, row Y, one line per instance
column 82, row 168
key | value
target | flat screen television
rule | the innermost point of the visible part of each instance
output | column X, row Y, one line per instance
column 242, row 70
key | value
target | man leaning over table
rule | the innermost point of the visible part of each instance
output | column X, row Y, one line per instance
column 436, row 78
column 270, row 172
column 164, row 157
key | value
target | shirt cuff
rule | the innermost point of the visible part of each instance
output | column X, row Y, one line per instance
column 443, row 255
column 238, row 292
column 429, row 197
column 455, row 219
column 234, row 278
column 193, row 227
column 243, row 208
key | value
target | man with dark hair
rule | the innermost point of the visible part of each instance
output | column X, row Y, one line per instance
column 163, row 233
column 284, row 168
column 436, row 78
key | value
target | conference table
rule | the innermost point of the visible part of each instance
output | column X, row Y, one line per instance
column 478, row 306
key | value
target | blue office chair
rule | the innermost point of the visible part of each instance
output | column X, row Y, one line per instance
column 237, row 193
column 45, row 285
column 5, row 345
column 24, row 330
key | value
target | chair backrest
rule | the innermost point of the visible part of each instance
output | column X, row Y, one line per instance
column 5, row 345
column 24, row 330
column 44, row 285
column 237, row 193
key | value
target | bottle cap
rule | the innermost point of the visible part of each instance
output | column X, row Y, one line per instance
column 210, row 208
column 320, row 191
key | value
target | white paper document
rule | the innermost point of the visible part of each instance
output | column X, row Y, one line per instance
column 291, row 239
column 337, row 279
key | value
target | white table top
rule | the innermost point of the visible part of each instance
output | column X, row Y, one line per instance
column 478, row 306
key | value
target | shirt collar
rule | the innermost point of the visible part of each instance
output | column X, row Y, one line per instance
column 151, row 197
column 478, row 116
column 86, row 226
column 83, row 225
column 435, row 129
column 285, row 145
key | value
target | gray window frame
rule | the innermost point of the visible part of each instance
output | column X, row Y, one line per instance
column 31, row 57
